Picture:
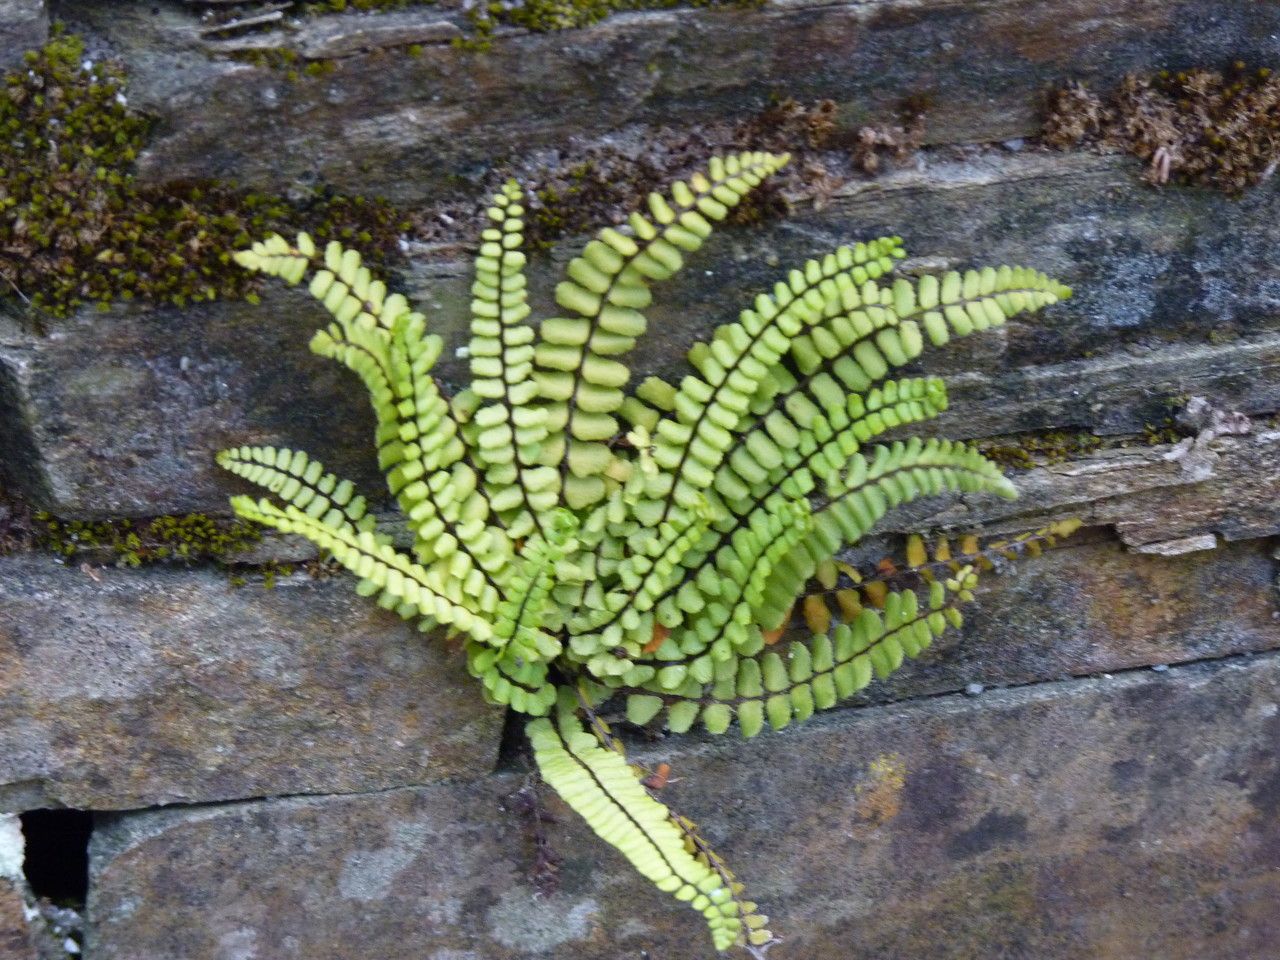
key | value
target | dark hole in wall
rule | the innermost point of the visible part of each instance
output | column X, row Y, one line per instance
column 513, row 749
column 57, row 857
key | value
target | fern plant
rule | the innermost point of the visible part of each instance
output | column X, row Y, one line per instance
column 650, row 546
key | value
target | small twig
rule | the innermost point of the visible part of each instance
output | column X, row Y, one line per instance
column 273, row 15
column 21, row 296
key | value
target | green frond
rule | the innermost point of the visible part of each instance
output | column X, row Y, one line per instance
column 607, row 794
column 860, row 494
column 814, row 674
column 713, row 625
column 733, row 365
column 510, row 426
column 841, row 591
column 856, row 350
column 394, row 578
column 420, row 447
column 302, row 483
column 778, row 467
column 575, row 360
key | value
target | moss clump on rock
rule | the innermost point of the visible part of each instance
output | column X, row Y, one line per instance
column 1025, row 451
column 76, row 227
column 131, row 543
column 542, row 16
column 1029, row 450
column 1219, row 129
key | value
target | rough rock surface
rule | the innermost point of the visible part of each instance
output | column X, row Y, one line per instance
column 1087, row 819
column 16, row 941
column 1150, row 495
column 1094, row 608
column 24, row 24
column 120, row 689
column 387, row 122
column 303, row 689
column 121, row 414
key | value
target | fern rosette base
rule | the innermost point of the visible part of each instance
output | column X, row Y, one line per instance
column 649, row 547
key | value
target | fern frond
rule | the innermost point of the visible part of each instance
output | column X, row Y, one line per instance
column 510, row 425
column 854, row 351
column 394, row 578
column 815, row 674
column 781, row 466
column 302, row 483
column 859, row 495
column 575, row 361
column 754, row 931
column 840, row 590
column 605, row 791
column 418, row 437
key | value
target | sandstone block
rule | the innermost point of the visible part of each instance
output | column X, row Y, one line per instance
column 121, row 413
column 127, row 689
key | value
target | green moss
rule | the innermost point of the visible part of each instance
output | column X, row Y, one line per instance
column 266, row 575
column 1028, row 450
column 76, row 227
column 542, row 16
column 131, row 543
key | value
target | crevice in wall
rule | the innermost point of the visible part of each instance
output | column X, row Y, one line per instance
column 513, row 752
column 19, row 470
column 57, row 854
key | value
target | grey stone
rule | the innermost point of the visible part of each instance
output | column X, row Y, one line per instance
column 386, row 122
column 1168, row 285
column 127, row 689
column 121, row 413
column 1146, row 494
column 1122, row 818
column 24, row 25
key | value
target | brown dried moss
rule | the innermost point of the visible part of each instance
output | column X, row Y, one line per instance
column 1219, row 129
column 605, row 182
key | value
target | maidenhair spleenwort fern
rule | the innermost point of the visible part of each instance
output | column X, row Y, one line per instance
column 650, row 546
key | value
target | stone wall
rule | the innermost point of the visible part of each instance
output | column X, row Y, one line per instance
column 1087, row 770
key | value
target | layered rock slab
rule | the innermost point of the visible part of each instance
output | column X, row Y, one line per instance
column 384, row 121
column 127, row 689
column 1108, row 818
column 122, row 689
